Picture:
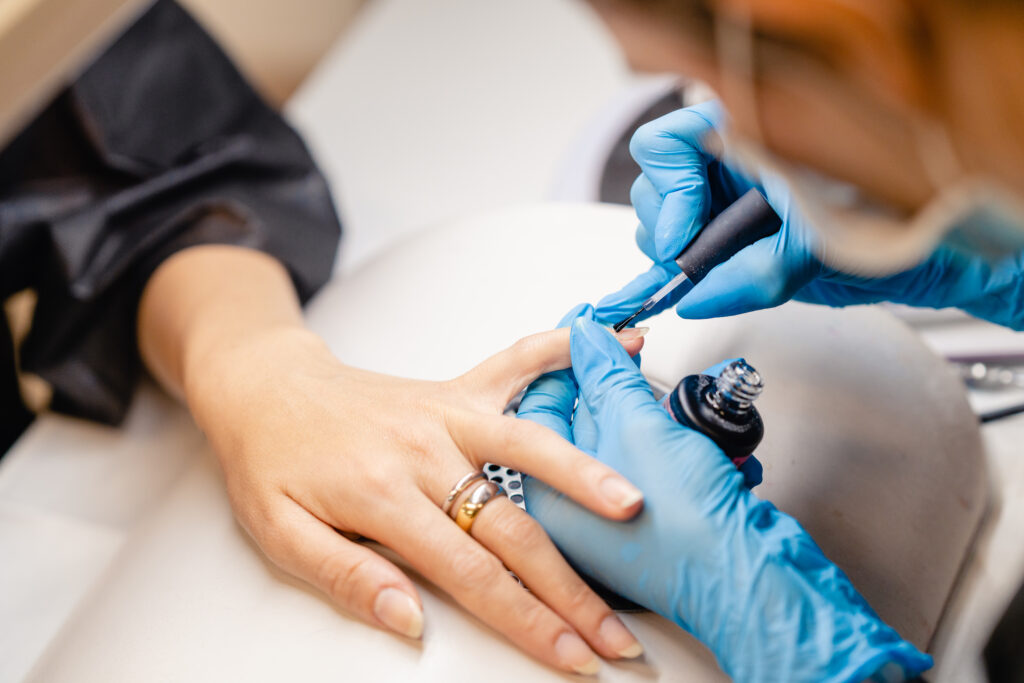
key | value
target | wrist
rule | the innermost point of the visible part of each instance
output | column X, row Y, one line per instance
column 243, row 365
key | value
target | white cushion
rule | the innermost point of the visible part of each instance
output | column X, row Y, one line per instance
column 870, row 443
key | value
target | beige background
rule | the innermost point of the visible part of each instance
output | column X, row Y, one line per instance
column 275, row 43
column 45, row 42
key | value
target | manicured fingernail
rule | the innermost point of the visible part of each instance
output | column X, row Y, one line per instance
column 617, row 636
column 619, row 492
column 399, row 612
column 575, row 654
column 631, row 333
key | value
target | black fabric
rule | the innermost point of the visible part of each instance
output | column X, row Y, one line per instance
column 159, row 145
column 1003, row 660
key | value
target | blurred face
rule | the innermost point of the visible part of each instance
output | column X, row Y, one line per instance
column 851, row 88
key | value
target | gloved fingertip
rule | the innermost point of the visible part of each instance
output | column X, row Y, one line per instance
column 591, row 329
column 700, row 308
column 589, row 339
column 578, row 311
column 645, row 242
column 607, row 376
column 582, row 326
column 716, row 369
column 617, row 305
column 752, row 471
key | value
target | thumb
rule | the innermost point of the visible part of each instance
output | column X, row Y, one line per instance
column 763, row 275
column 610, row 382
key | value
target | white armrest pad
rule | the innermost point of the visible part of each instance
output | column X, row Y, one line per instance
column 870, row 444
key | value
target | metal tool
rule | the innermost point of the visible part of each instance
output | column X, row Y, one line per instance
column 991, row 376
column 745, row 221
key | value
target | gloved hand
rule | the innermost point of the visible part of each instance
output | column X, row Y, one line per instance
column 683, row 185
column 741, row 576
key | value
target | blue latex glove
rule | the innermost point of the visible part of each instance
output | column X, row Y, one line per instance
column 682, row 185
column 706, row 553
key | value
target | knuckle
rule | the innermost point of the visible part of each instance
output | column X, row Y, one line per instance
column 477, row 571
column 576, row 597
column 271, row 538
column 528, row 346
column 643, row 139
column 516, row 530
column 377, row 485
column 645, row 243
column 531, row 617
column 451, row 389
column 256, row 514
column 509, row 433
column 342, row 580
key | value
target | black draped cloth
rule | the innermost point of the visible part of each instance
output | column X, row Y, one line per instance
column 158, row 145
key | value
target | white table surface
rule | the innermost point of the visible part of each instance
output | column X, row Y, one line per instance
column 189, row 598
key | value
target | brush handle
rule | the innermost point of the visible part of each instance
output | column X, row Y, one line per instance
column 745, row 221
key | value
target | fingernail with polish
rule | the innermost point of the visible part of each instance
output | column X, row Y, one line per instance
column 575, row 654
column 399, row 612
column 619, row 639
column 619, row 492
column 631, row 333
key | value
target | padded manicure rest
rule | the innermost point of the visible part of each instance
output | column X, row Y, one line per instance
column 869, row 443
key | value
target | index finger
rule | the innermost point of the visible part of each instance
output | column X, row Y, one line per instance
column 528, row 447
column 616, row 306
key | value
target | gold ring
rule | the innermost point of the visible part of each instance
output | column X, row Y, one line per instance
column 475, row 502
column 459, row 487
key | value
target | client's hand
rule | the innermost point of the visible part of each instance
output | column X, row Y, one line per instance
column 309, row 445
column 744, row 578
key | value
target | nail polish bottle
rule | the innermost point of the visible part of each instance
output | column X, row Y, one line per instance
column 722, row 408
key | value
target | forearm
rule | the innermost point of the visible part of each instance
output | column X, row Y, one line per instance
column 207, row 300
column 291, row 427
column 950, row 278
